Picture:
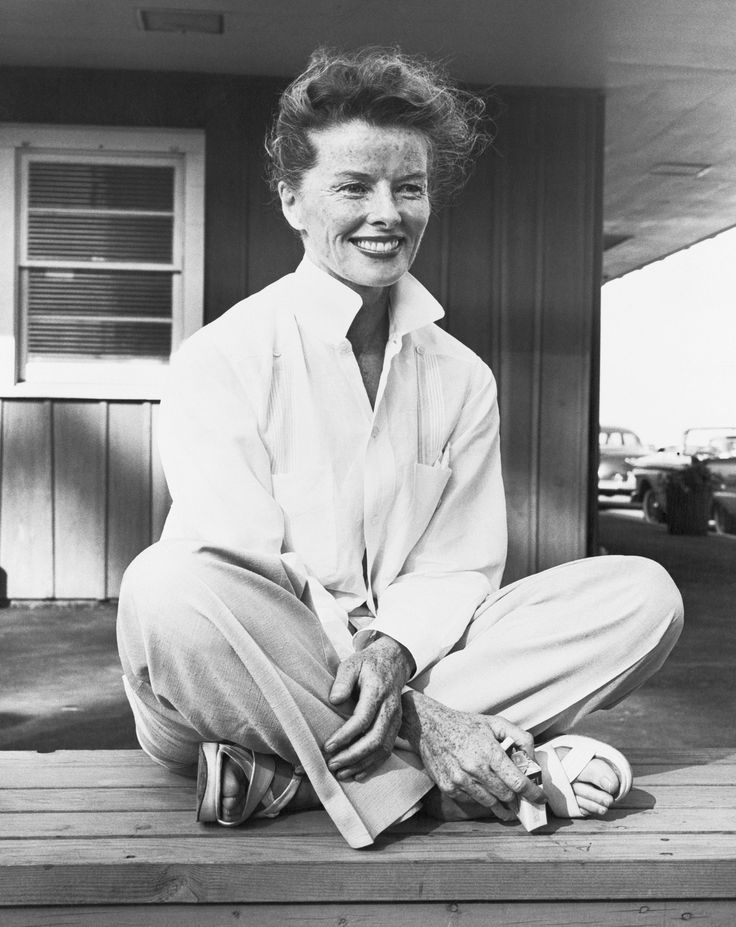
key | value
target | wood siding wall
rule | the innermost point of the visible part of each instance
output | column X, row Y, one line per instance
column 516, row 263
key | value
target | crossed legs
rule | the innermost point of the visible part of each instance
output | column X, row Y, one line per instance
column 216, row 646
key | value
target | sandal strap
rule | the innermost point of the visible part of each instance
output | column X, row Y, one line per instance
column 258, row 769
column 558, row 775
column 279, row 802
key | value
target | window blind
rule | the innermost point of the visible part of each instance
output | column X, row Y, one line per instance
column 99, row 259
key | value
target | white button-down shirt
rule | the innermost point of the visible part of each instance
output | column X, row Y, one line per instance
column 393, row 517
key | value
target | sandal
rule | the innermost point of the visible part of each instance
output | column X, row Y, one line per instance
column 559, row 774
column 259, row 770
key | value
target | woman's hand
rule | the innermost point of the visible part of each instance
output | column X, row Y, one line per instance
column 462, row 754
column 376, row 676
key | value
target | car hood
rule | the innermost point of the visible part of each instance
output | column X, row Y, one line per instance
column 673, row 460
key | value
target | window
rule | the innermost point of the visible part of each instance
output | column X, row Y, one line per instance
column 105, row 271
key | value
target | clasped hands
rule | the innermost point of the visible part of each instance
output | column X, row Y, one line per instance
column 461, row 752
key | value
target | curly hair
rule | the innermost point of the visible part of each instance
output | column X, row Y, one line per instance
column 383, row 87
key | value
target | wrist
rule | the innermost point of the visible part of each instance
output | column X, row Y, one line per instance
column 398, row 653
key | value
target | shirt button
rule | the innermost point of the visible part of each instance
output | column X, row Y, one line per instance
column 375, row 433
column 420, row 349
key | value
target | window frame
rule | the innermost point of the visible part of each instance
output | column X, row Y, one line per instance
column 133, row 378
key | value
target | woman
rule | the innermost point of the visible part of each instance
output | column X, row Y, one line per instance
column 322, row 622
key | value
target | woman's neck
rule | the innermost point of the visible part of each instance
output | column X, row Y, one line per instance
column 368, row 332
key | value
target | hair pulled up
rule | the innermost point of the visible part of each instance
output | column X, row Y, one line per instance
column 383, row 87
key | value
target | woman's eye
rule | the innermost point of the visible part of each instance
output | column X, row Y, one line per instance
column 412, row 189
column 353, row 189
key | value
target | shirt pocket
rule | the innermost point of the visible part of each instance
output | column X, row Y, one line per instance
column 307, row 499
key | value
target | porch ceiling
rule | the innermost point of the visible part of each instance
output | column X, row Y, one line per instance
column 668, row 68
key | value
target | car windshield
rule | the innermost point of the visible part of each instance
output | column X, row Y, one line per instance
column 617, row 438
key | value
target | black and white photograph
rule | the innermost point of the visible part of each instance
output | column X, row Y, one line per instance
column 367, row 463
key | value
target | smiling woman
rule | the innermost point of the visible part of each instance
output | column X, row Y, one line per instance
column 362, row 209
column 322, row 622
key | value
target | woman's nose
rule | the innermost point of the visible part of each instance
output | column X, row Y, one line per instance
column 383, row 209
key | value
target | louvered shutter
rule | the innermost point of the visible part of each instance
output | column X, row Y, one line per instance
column 98, row 258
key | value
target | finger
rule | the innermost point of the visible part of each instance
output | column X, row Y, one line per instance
column 504, row 728
column 514, row 780
column 365, row 711
column 361, row 770
column 475, row 791
column 345, row 680
column 378, row 739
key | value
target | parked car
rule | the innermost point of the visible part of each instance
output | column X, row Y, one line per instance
column 616, row 445
column 713, row 451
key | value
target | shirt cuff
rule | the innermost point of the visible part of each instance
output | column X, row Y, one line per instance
column 426, row 614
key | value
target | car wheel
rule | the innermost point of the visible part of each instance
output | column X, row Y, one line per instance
column 650, row 508
column 725, row 523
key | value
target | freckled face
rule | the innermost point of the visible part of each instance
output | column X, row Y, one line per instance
column 363, row 207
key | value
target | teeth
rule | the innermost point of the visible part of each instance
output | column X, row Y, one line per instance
column 372, row 244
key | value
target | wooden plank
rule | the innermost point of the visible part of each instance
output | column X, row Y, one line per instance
column 473, row 307
column 26, row 526
column 229, row 123
column 104, row 799
column 250, row 868
column 79, row 499
column 642, row 913
column 160, row 498
column 128, row 487
column 428, row 266
column 644, row 761
column 519, row 238
column 181, row 797
column 662, row 819
column 570, row 150
column 132, row 767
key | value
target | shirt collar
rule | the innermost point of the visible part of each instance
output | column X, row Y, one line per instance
column 327, row 307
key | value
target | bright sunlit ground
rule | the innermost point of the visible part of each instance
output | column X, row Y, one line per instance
column 668, row 343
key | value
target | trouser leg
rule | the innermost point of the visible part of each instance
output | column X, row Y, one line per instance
column 216, row 646
column 550, row 648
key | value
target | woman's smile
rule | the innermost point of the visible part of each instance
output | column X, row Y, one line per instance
column 362, row 208
column 379, row 247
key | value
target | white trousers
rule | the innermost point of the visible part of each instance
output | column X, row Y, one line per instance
column 216, row 646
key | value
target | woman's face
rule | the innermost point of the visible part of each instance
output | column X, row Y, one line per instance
column 362, row 208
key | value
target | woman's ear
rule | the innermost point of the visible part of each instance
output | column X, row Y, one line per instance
column 290, row 206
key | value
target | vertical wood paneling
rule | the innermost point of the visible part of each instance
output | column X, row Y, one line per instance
column 128, row 488
column 226, row 212
column 520, row 231
column 160, row 498
column 565, row 347
column 79, row 499
column 26, row 524
column 469, row 256
column 428, row 265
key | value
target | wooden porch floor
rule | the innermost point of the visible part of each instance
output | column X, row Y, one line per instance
column 106, row 837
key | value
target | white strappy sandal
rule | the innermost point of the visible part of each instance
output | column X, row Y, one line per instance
column 259, row 770
column 558, row 774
